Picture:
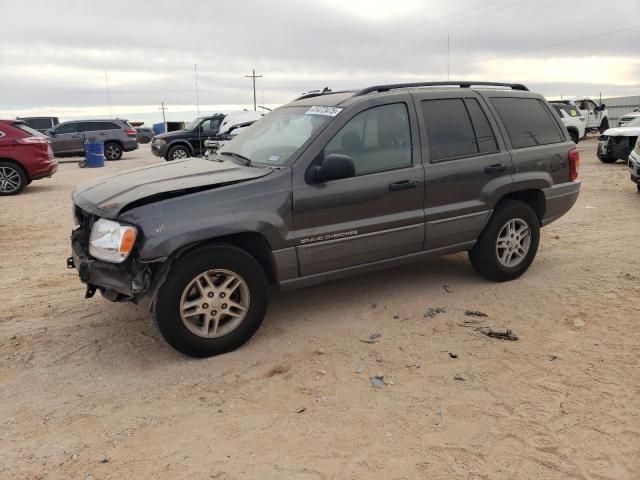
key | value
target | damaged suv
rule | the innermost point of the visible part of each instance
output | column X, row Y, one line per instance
column 329, row 185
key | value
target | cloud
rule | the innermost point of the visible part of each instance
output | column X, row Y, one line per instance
column 57, row 59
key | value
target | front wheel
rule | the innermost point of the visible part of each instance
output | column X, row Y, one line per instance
column 213, row 301
column 178, row 153
column 508, row 244
column 604, row 125
column 112, row 151
column 606, row 158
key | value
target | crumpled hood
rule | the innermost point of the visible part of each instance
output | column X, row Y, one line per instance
column 107, row 196
column 623, row 132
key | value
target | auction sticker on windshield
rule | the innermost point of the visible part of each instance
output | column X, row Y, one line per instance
column 327, row 111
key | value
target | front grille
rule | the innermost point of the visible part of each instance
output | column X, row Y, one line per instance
column 83, row 219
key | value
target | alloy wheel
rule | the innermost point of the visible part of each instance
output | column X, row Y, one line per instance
column 513, row 243
column 179, row 154
column 214, row 303
column 10, row 180
column 112, row 152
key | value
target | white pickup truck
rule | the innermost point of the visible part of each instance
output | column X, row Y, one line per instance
column 596, row 116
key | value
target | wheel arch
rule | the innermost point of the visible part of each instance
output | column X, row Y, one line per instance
column 182, row 143
column 17, row 164
column 533, row 197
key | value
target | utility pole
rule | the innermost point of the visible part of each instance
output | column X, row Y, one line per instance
column 106, row 80
column 164, row 120
column 253, row 76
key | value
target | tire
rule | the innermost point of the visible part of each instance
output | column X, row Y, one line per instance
column 179, row 152
column 604, row 125
column 638, row 185
column 112, row 151
column 574, row 136
column 607, row 159
column 145, row 140
column 219, row 263
column 484, row 255
column 13, row 179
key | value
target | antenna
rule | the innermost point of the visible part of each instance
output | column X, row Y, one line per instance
column 106, row 80
column 253, row 76
column 448, row 54
column 195, row 68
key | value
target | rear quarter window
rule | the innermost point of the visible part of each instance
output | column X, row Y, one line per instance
column 527, row 121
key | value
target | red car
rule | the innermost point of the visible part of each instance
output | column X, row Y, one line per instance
column 25, row 155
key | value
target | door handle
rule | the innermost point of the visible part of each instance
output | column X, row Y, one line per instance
column 498, row 167
column 403, row 185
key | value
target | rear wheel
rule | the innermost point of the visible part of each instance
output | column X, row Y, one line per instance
column 638, row 185
column 607, row 158
column 213, row 301
column 145, row 139
column 574, row 136
column 112, row 151
column 13, row 179
column 508, row 244
column 178, row 152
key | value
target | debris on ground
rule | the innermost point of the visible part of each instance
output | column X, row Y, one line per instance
column 447, row 288
column 301, row 409
column 553, row 357
column 360, row 369
column 377, row 381
column 373, row 338
column 579, row 323
column 453, row 355
column 104, row 460
column 471, row 323
column 320, row 351
column 459, row 378
column 432, row 312
column 475, row 313
column 501, row 335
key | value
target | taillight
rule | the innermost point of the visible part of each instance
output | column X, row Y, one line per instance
column 131, row 132
column 31, row 140
column 574, row 164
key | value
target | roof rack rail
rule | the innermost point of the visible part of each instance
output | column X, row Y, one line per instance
column 386, row 88
column 318, row 93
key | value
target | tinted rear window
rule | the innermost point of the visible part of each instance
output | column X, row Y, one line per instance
column 39, row 123
column 29, row 130
column 528, row 122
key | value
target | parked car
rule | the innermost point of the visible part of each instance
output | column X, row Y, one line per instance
column 145, row 135
column 574, row 123
column 617, row 143
column 627, row 117
column 25, row 155
column 634, row 165
column 41, row 124
column 326, row 186
column 67, row 138
column 596, row 116
column 189, row 142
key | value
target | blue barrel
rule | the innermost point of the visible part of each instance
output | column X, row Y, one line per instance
column 94, row 154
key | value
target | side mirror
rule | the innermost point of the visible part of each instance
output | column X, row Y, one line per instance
column 333, row 167
column 602, row 107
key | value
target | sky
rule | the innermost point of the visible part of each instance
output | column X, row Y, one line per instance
column 56, row 58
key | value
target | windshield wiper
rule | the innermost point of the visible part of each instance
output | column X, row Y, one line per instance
column 246, row 160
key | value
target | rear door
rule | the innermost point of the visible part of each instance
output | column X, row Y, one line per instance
column 376, row 215
column 466, row 162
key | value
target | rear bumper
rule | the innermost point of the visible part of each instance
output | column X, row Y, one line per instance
column 46, row 167
column 558, row 200
column 130, row 145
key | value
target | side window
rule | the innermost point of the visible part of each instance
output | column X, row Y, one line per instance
column 591, row 105
column 449, row 129
column 108, row 126
column 528, row 122
column 212, row 124
column 67, row 128
column 377, row 139
column 485, row 137
column 89, row 126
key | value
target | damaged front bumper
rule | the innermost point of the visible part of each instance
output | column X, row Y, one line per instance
column 116, row 282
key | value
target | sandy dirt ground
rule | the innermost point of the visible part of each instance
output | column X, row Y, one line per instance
column 88, row 389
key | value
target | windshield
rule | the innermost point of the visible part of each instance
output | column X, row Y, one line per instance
column 634, row 123
column 275, row 138
column 194, row 124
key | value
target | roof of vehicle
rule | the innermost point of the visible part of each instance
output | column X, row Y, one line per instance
column 328, row 98
column 36, row 118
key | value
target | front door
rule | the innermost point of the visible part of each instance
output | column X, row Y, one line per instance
column 375, row 215
column 67, row 139
column 464, row 165
column 208, row 128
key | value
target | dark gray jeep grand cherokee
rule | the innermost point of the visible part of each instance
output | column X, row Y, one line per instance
column 332, row 184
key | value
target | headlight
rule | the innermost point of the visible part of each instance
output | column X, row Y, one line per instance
column 159, row 141
column 111, row 241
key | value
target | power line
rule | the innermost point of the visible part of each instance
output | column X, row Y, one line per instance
column 551, row 45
